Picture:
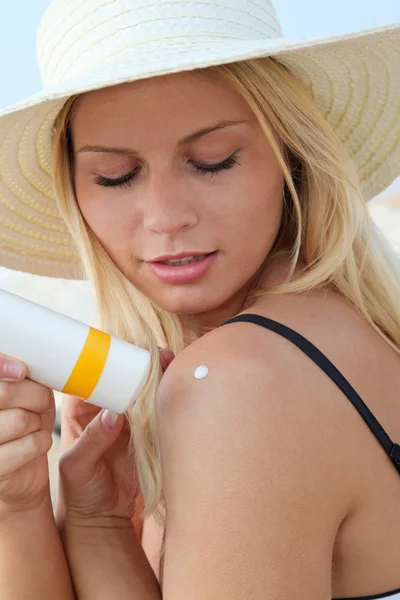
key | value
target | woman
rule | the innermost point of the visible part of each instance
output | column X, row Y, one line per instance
column 202, row 165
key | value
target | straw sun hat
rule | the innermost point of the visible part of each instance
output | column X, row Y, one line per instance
column 89, row 44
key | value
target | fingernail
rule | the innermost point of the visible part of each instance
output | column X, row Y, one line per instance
column 109, row 419
column 12, row 369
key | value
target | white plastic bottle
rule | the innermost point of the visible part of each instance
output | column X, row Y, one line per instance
column 72, row 357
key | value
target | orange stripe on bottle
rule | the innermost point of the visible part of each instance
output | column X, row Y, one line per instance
column 89, row 366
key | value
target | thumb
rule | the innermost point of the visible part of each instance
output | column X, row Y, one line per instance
column 98, row 436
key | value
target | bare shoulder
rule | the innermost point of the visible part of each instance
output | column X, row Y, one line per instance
column 262, row 384
column 232, row 362
column 256, row 378
column 244, row 356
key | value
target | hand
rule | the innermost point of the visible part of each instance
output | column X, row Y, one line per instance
column 27, row 415
column 97, row 468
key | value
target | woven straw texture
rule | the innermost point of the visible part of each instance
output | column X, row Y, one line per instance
column 89, row 44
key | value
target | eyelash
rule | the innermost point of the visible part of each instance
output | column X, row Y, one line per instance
column 204, row 170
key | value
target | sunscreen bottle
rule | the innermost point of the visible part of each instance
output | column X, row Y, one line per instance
column 71, row 357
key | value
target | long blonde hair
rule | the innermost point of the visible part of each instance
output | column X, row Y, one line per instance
column 325, row 223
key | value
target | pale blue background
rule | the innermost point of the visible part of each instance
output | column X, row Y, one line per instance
column 299, row 18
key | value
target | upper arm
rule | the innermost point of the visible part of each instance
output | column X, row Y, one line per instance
column 250, row 499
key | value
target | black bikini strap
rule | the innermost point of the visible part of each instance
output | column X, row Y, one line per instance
column 392, row 449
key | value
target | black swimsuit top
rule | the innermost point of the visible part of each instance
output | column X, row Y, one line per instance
column 391, row 448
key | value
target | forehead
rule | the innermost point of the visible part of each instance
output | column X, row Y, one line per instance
column 181, row 101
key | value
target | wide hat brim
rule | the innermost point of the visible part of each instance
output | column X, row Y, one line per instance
column 355, row 81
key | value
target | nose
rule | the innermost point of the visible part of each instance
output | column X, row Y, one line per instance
column 168, row 206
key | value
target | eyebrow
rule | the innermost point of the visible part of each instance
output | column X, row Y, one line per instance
column 186, row 140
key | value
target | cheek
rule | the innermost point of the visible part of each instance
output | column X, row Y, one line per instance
column 104, row 213
column 105, row 220
column 250, row 215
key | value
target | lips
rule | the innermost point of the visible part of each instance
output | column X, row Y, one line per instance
column 183, row 261
column 182, row 274
column 180, row 256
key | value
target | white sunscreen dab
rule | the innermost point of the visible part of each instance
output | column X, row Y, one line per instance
column 201, row 372
column 72, row 357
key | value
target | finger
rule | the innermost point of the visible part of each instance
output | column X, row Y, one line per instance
column 25, row 394
column 18, row 422
column 77, row 408
column 11, row 369
column 74, row 409
column 71, row 430
column 166, row 356
column 96, row 439
column 49, row 417
column 76, row 415
column 18, row 453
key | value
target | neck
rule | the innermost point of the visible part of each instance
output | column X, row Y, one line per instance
column 269, row 276
column 196, row 325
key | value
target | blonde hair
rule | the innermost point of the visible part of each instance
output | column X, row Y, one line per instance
column 325, row 224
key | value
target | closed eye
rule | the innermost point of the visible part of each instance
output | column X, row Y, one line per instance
column 124, row 181
column 228, row 163
column 210, row 170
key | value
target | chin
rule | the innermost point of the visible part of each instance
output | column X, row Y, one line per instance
column 187, row 301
